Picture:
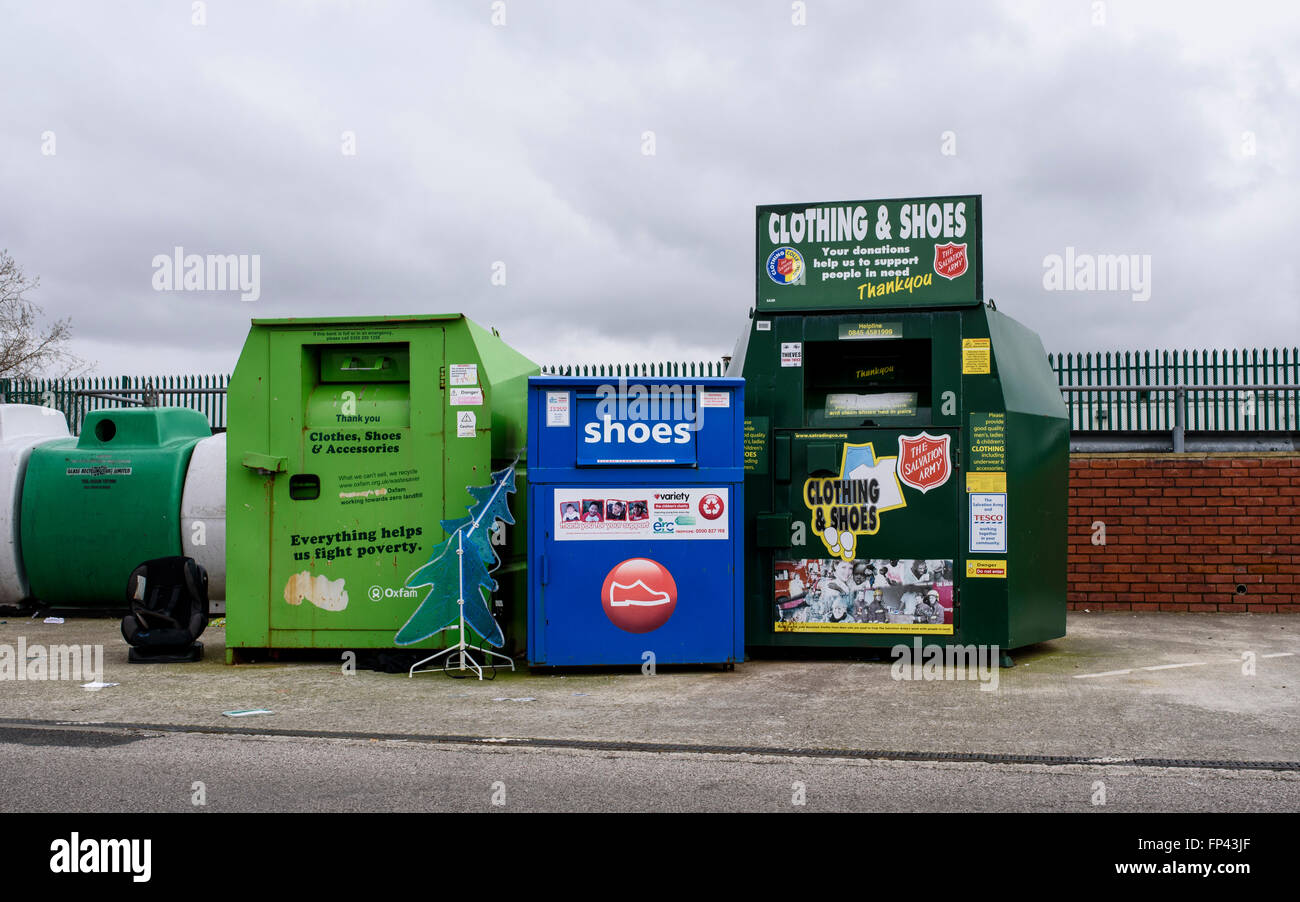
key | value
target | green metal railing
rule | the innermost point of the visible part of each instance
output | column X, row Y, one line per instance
column 1254, row 390
column 77, row 397
column 658, row 369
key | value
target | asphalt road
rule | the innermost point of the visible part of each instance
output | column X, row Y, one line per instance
column 109, row 769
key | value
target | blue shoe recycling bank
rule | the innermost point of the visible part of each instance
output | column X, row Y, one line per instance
column 635, row 523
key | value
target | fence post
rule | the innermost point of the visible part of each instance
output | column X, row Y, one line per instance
column 1180, row 418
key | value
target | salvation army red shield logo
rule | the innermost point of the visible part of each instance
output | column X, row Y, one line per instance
column 711, row 506
column 950, row 260
column 639, row 595
column 923, row 461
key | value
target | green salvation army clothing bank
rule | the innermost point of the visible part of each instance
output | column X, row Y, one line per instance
column 907, row 448
column 887, row 458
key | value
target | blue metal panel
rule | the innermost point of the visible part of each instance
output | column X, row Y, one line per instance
column 635, row 521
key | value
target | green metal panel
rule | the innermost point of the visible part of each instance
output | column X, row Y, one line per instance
column 890, row 388
column 382, row 424
column 96, row 507
column 1038, row 472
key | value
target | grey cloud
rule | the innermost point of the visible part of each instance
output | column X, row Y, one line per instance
column 523, row 144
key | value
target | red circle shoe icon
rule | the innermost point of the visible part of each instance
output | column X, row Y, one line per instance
column 639, row 595
column 711, row 507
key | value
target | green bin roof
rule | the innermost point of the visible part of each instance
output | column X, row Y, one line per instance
column 313, row 320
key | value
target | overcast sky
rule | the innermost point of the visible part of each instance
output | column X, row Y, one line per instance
column 1170, row 130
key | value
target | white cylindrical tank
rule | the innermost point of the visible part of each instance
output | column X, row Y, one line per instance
column 22, row 428
column 203, row 515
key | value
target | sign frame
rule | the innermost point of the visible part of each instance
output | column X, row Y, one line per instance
column 798, row 282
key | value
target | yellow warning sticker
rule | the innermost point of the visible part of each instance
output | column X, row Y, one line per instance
column 995, row 569
column 975, row 357
column 986, row 482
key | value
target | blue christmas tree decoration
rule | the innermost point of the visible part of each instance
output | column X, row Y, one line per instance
column 460, row 567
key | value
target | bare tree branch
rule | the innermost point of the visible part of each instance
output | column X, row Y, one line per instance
column 28, row 348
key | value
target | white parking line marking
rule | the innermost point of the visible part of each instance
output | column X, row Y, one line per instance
column 1106, row 673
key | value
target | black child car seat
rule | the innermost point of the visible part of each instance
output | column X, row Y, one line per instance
column 169, row 610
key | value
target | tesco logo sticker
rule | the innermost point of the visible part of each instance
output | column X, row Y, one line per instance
column 988, row 522
column 639, row 595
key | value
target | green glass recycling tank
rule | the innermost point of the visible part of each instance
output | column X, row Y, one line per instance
column 97, row 506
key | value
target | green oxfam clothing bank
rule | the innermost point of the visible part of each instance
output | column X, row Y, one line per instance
column 907, row 448
column 350, row 441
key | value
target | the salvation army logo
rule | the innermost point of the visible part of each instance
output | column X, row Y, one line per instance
column 923, row 461
column 785, row 266
column 711, row 507
column 639, row 595
column 950, row 260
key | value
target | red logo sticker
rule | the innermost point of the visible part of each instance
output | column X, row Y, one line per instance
column 639, row 595
column 923, row 461
column 950, row 260
column 711, row 507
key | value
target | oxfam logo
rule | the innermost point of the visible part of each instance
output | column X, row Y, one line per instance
column 785, row 266
column 379, row 593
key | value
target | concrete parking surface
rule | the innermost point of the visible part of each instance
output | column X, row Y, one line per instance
column 1218, row 689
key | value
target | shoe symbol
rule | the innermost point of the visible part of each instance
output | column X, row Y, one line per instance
column 622, row 596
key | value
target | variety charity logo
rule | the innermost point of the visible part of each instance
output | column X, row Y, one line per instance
column 950, row 260
column 785, row 266
column 850, row 505
column 639, row 595
column 923, row 461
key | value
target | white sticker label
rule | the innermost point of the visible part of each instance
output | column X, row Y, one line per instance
column 467, row 397
column 715, row 399
column 763, row 325
column 792, row 353
column 466, row 424
column 988, row 522
column 463, row 374
column 557, row 408
column 637, row 512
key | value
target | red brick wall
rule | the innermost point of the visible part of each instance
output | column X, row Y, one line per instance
column 1185, row 532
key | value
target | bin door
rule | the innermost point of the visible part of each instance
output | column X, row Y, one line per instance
column 357, row 508
column 883, row 516
column 634, row 569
